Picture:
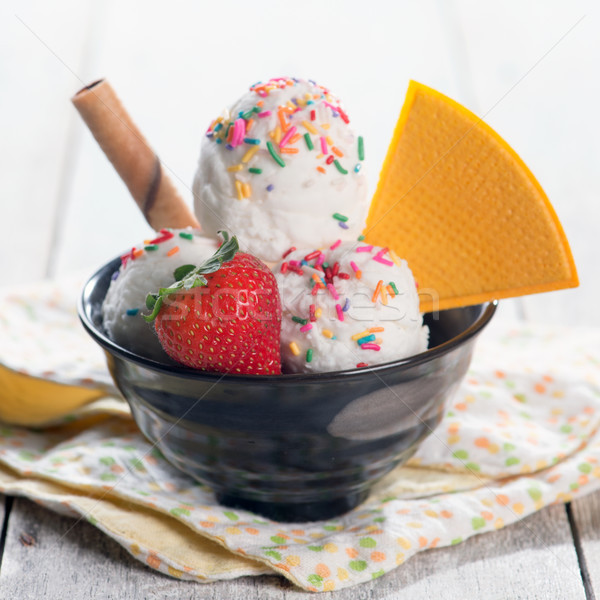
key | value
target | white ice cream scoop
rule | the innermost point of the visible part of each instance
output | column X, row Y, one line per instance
column 345, row 306
column 144, row 269
column 282, row 167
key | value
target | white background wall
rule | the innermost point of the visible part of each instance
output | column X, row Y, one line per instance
column 530, row 68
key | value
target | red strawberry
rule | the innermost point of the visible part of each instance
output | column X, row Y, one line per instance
column 224, row 316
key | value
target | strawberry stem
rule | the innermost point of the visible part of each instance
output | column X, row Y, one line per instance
column 190, row 276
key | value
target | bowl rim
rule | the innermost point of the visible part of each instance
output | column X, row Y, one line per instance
column 188, row 373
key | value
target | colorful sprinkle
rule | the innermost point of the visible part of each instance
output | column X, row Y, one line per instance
column 335, row 244
column 309, row 355
column 151, row 247
column 377, row 291
column 186, row 236
column 239, row 129
column 299, row 320
column 327, row 333
column 238, row 189
column 282, row 121
column 362, row 334
column 343, row 115
column 173, row 250
column 339, row 167
column 165, row 236
column 291, row 131
column 306, row 327
column 255, row 170
column 318, row 280
column 371, row 346
column 384, row 299
column 313, row 254
column 397, row 260
column 131, row 312
column 340, row 312
column 340, row 217
column 356, row 270
column 310, row 128
column 295, row 349
column 249, row 154
column 270, row 187
column 364, row 249
column 380, row 259
column 308, row 141
column 361, row 148
column 366, row 339
column 274, row 155
column 277, row 134
column 323, row 145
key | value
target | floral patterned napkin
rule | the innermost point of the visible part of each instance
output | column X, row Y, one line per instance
column 521, row 433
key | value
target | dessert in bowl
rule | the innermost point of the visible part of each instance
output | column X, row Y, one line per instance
column 291, row 447
column 282, row 168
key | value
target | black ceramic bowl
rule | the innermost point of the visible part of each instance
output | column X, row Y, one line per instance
column 290, row 447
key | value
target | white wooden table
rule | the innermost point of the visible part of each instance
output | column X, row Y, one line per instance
column 529, row 68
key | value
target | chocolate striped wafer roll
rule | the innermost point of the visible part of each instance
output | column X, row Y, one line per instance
column 132, row 157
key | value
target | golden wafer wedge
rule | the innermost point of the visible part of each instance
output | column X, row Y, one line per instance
column 457, row 202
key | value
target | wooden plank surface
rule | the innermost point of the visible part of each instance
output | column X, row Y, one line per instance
column 586, row 517
column 532, row 559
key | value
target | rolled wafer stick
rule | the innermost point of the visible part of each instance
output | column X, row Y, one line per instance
column 132, row 157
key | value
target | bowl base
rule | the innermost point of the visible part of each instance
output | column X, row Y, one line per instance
column 296, row 512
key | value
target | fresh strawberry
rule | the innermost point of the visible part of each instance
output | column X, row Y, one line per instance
column 223, row 316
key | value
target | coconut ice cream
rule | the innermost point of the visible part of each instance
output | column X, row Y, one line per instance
column 282, row 167
column 348, row 305
column 145, row 268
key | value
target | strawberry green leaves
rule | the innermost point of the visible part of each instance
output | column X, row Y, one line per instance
column 188, row 277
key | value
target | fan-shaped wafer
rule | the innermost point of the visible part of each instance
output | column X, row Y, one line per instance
column 463, row 209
